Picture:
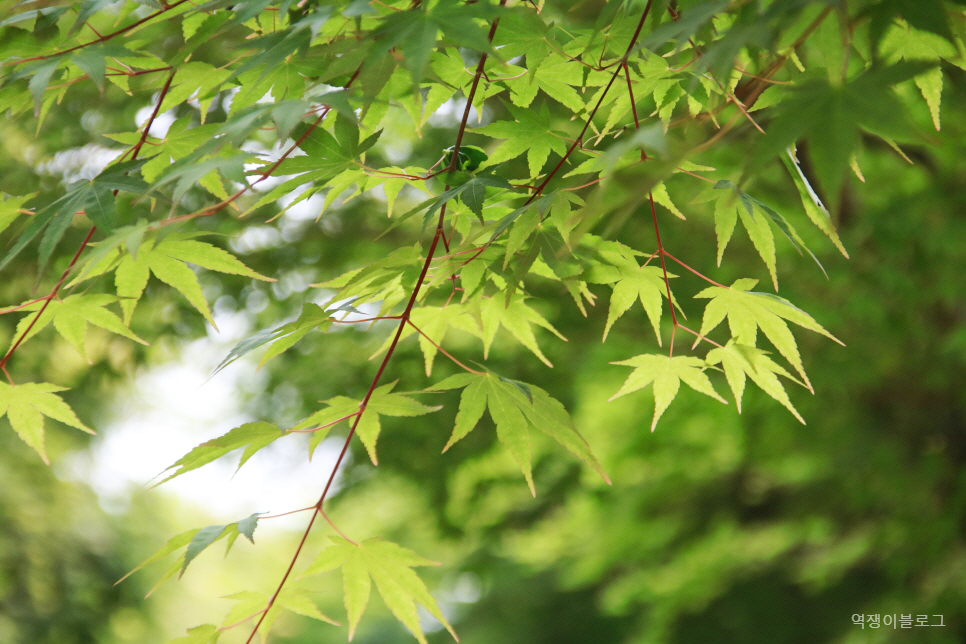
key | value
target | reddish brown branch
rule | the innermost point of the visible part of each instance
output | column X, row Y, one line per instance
column 403, row 319
column 47, row 299
column 102, row 38
column 218, row 207
column 147, row 126
column 444, row 351
column 704, row 277
column 667, row 282
column 53, row 292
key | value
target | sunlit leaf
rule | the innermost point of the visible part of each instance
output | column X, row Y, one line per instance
column 741, row 361
column 251, row 436
column 748, row 311
column 390, row 566
column 514, row 412
column 666, row 374
column 26, row 405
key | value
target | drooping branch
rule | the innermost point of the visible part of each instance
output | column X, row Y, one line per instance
column 403, row 320
column 135, row 150
column 109, row 36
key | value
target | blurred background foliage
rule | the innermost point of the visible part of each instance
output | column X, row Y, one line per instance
column 719, row 527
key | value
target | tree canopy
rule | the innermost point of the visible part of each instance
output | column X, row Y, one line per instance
column 503, row 206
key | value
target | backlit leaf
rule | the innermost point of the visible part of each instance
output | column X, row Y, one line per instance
column 390, row 567
column 251, row 436
column 748, row 311
column 666, row 374
column 741, row 361
column 25, row 406
column 514, row 408
column 71, row 316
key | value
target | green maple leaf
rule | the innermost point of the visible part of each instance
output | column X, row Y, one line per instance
column 168, row 261
column 529, row 132
column 748, row 311
column 26, row 405
column 10, row 207
column 732, row 205
column 473, row 191
column 556, row 77
column 94, row 197
column 515, row 407
column 284, row 337
column 741, row 361
column 381, row 403
column 194, row 542
column 204, row 634
column 390, row 566
column 251, row 436
column 927, row 15
column 666, row 375
column 210, row 534
column 631, row 283
column 517, row 318
column 832, row 118
column 524, row 33
column 902, row 42
column 296, row 600
column 71, row 316
column 326, row 155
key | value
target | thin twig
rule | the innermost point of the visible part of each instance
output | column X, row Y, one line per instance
column 102, row 38
column 704, row 277
column 335, row 527
column 444, row 351
column 389, row 353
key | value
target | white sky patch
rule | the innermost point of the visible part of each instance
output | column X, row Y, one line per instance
column 450, row 113
column 79, row 163
column 170, row 409
column 162, row 123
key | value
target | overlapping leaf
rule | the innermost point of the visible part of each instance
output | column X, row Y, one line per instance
column 390, row 566
column 741, row 361
column 95, row 198
column 381, row 403
column 71, row 316
column 515, row 407
column 833, row 117
column 748, row 311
